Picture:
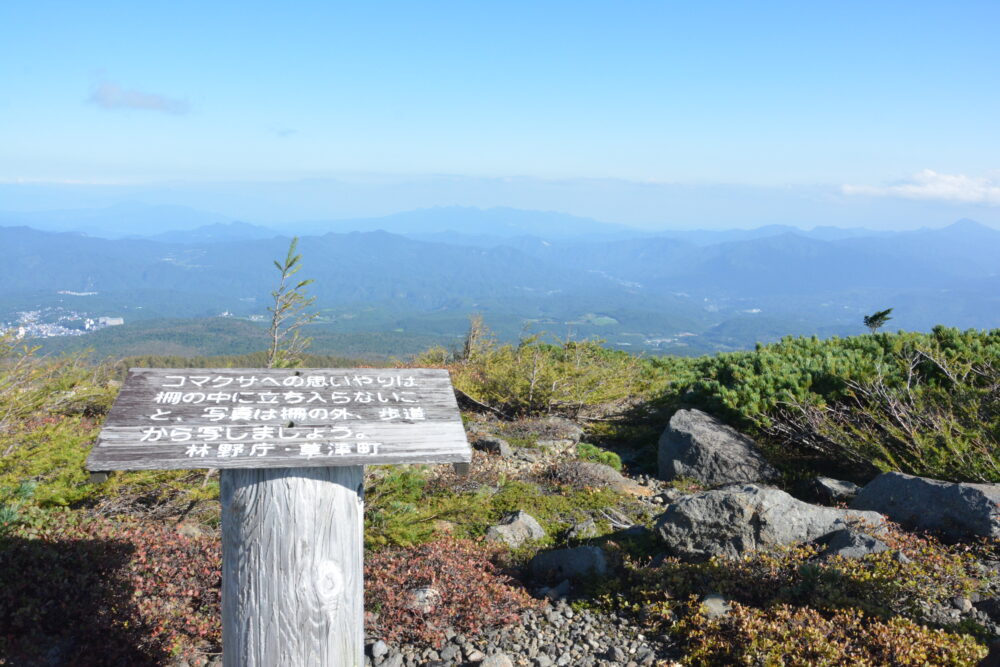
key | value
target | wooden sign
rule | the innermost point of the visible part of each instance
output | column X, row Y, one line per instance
column 280, row 418
column 292, row 445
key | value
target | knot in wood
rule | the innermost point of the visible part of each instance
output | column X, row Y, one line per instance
column 330, row 585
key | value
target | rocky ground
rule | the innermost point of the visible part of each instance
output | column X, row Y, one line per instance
column 556, row 635
column 709, row 494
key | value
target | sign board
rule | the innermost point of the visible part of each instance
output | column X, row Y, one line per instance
column 280, row 418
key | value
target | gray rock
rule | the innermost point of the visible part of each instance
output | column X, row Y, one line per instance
column 963, row 604
column 667, row 496
column 557, row 592
column 991, row 607
column 494, row 445
column 572, row 563
column 699, row 446
column 582, row 474
column 716, row 606
column 563, row 444
column 562, row 429
column 497, row 660
column 635, row 530
column 737, row 520
column 529, row 455
column 850, row 543
column 515, row 529
column 645, row 656
column 379, row 649
column 957, row 510
column 615, row 654
column 582, row 530
column 424, row 600
column 828, row 490
column 450, row 653
column 475, row 655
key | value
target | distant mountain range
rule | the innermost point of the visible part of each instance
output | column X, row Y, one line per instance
column 458, row 225
column 219, row 232
column 120, row 220
column 677, row 292
column 178, row 224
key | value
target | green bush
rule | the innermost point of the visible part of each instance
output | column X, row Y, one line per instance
column 31, row 385
column 402, row 506
column 926, row 404
column 880, row 584
column 791, row 609
column 587, row 452
column 535, row 377
column 803, row 637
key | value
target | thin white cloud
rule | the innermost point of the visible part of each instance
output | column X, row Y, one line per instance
column 929, row 184
column 108, row 95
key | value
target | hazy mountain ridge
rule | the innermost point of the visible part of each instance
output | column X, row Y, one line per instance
column 456, row 225
column 645, row 292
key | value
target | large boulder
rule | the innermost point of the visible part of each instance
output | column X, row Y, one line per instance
column 738, row 520
column 699, row 446
column 515, row 528
column 957, row 510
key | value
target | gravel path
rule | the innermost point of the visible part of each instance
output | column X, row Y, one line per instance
column 555, row 636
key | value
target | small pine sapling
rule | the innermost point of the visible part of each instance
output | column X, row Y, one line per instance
column 289, row 313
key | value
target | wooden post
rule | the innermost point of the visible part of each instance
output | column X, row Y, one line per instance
column 292, row 552
column 291, row 446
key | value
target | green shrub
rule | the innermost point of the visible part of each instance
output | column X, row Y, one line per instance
column 535, row 377
column 803, row 637
column 791, row 609
column 926, row 404
column 588, row 452
column 402, row 506
column 394, row 511
column 880, row 584
column 31, row 386
column 50, row 452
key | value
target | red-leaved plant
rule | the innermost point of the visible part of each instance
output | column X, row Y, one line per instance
column 98, row 591
column 472, row 594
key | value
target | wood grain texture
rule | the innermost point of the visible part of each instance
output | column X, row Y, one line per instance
column 374, row 416
column 292, row 590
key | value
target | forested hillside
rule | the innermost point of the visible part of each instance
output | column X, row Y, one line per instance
column 683, row 294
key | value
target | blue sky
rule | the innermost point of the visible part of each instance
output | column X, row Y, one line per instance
column 869, row 104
